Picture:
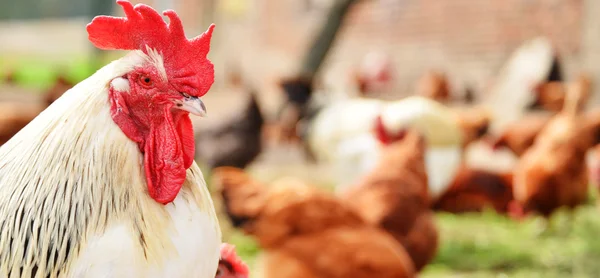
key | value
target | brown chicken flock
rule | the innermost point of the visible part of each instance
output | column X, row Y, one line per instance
column 384, row 225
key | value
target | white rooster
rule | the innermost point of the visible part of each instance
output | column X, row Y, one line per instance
column 343, row 133
column 103, row 182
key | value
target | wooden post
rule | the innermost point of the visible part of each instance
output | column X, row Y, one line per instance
column 313, row 59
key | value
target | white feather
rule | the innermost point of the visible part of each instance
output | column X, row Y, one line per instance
column 442, row 165
column 120, row 84
column 355, row 157
column 117, row 253
column 511, row 93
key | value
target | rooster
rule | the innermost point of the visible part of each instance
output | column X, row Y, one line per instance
column 103, row 182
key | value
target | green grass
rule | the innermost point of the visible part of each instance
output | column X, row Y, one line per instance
column 31, row 72
column 490, row 245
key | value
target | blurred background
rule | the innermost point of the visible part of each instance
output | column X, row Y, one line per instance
column 318, row 89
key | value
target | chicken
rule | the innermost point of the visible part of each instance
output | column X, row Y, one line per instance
column 519, row 136
column 421, row 242
column 553, row 173
column 551, row 95
column 236, row 141
column 16, row 115
column 434, row 85
column 473, row 190
column 394, row 195
column 103, row 183
column 341, row 134
column 509, row 94
column 230, row 265
column 307, row 233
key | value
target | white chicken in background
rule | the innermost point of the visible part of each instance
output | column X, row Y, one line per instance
column 342, row 134
column 512, row 90
column 103, row 183
column 511, row 93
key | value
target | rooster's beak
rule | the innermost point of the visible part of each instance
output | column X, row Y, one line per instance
column 191, row 104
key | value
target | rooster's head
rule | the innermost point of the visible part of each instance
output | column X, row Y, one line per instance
column 165, row 77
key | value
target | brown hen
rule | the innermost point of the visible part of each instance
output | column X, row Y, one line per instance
column 551, row 95
column 553, row 172
column 473, row 190
column 307, row 233
column 394, row 196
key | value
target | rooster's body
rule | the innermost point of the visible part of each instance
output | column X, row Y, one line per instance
column 74, row 190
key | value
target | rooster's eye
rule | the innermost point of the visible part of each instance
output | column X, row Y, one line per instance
column 145, row 80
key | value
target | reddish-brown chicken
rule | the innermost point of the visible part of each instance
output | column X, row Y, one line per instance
column 473, row 190
column 553, row 172
column 307, row 233
column 394, row 196
column 551, row 95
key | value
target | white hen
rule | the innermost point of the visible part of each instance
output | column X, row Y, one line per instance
column 342, row 134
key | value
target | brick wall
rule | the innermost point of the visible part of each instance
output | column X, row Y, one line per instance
column 468, row 39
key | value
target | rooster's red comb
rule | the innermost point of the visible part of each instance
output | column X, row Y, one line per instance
column 143, row 28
